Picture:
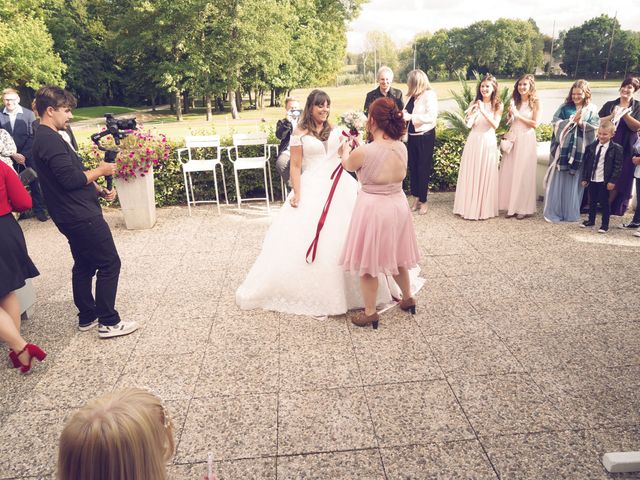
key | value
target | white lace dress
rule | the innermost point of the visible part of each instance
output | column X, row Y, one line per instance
column 281, row 279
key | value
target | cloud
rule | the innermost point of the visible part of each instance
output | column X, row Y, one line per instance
column 403, row 19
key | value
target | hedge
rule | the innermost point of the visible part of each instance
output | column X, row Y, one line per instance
column 169, row 183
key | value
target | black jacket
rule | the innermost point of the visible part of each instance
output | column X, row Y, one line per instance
column 612, row 162
column 394, row 94
column 22, row 131
column 284, row 128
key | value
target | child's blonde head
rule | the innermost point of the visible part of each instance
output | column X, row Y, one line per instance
column 124, row 435
column 607, row 126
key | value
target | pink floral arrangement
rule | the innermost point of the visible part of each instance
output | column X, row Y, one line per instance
column 139, row 151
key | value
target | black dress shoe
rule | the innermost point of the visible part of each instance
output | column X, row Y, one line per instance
column 586, row 224
column 42, row 216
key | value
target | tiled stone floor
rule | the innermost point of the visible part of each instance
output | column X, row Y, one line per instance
column 523, row 361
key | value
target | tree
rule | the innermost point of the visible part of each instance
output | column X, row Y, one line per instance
column 26, row 47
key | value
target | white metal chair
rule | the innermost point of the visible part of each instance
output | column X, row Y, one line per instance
column 242, row 141
column 190, row 164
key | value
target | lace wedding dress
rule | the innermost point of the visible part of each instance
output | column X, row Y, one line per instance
column 281, row 279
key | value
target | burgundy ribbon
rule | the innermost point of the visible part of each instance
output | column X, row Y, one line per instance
column 335, row 176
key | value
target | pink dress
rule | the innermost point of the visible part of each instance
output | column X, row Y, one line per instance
column 517, row 180
column 381, row 236
column 477, row 189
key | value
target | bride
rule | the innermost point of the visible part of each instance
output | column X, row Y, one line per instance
column 281, row 279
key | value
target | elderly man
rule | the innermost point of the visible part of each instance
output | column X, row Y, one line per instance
column 385, row 77
column 18, row 121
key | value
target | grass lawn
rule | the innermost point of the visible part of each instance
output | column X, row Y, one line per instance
column 87, row 113
column 343, row 98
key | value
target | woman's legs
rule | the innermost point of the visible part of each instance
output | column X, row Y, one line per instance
column 369, row 287
column 402, row 279
column 10, row 322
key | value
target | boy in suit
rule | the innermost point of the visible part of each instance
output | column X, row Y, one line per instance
column 602, row 166
column 284, row 129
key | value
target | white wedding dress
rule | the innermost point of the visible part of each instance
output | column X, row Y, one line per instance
column 281, row 279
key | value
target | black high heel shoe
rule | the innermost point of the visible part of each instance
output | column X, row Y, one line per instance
column 363, row 320
column 408, row 305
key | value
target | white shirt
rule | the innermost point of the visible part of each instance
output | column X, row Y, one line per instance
column 598, row 175
column 636, row 172
column 13, row 115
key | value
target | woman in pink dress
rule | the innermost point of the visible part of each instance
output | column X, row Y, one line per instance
column 477, row 189
column 381, row 238
column 517, row 179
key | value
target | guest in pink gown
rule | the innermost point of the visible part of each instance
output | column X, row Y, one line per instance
column 477, row 189
column 517, row 179
column 381, row 238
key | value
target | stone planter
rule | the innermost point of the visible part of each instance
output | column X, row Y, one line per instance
column 137, row 200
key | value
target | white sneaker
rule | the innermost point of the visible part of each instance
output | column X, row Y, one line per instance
column 117, row 330
column 88, row 326
column 636, row 233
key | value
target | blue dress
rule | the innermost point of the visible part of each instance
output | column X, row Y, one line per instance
column 564, row 191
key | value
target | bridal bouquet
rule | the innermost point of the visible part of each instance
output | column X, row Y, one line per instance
column 355, row 122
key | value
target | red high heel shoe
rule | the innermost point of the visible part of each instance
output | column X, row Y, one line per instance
column 13, row 358
column 34, row 352
column 408, row 305
column 363, row 320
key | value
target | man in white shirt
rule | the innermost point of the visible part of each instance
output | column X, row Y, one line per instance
column 18, row 121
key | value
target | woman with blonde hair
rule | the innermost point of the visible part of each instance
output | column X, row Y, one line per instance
column 123, row 435
column 421, row 113
column 517, row 179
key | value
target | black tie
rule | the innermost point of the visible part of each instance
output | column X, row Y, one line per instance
column 595, row 167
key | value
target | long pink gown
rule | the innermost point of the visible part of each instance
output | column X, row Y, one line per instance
column 381, row 235
column 517, row 179
column 477, row 188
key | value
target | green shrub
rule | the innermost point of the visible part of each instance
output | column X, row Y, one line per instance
column 169, row 183
column 544, row 132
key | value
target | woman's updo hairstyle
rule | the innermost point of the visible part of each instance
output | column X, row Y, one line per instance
column 387, row 117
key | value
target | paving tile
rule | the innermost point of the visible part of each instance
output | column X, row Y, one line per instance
column 323, row 420
column 476, row 355
column 325, row 365
column 591, row 398
column 459, row 460
column 249, row 469
column 245, row 369
column 558, row 455
column 388, row 360
column 301, row 330
column 453, row 326
column 361, row 464
column 230, row 427
column 28, row 443
column 180, row 337
column 505, row 404
column 237, row 331
column 410, row 413
column 71, row 383
column 172, row 377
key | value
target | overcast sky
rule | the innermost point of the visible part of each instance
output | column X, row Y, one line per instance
column 403, row 19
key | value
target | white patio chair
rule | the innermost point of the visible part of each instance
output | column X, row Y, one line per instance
column 241, row 142
column 191, row 164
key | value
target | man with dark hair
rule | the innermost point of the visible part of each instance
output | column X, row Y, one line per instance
column 72, row 196
column 18, row 121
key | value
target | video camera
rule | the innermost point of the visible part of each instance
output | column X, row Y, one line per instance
column 118, row 129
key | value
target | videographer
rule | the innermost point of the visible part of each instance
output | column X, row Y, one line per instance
column 72, row 196
column 284, row 128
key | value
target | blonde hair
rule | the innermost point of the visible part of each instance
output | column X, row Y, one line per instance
column 123, row 435
column 9, row 90
column 582, row 85
column 607, row 125
column 417, row 83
